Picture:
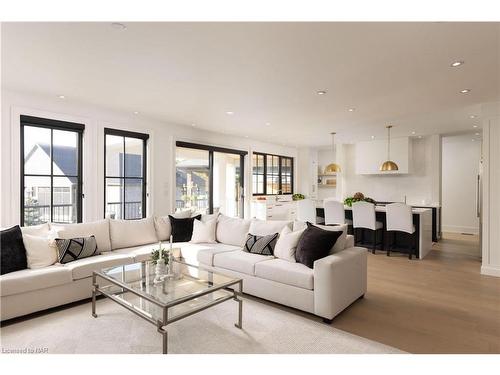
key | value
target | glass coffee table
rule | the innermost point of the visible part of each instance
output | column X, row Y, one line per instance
column 191, row 289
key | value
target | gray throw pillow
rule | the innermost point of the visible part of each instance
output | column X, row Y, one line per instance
column 263, row 245
column 76, row 248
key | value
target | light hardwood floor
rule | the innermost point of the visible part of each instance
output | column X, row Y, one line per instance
column 441, row 304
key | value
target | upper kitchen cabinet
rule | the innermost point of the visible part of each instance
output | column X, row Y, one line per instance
column 371, row 154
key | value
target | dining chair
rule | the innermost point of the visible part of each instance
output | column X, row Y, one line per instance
column 335, row 213
column 306, row 211
column 399, row 218
column 363, row 218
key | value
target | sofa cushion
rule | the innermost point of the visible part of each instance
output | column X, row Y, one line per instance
column 84, row 267
column 339, row 245
column 267, row 227
column 99, row 229
column 76, row 248
column 41, row 230
column 182, row 229
column 315, row 243
column 40, row 278
column 204, row 231
column 282, row 271
column 263, row 245
column 239, row 261
column 163, row 227
column 206, row 256
column 138, row 253
column 40, row 251
column 13, row 252
column 287, row 243
column 232, row 230
column 129, row 233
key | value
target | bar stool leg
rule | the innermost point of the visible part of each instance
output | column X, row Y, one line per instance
column 374, row 241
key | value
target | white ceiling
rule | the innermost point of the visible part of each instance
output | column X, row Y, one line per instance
column 186, row 73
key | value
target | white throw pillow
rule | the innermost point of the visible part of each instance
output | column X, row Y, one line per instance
column 341, row 241
column 267, row 227
column 40, row 251
column 40, row 230
column 163, row 226
column 99, row 229
column 204, row 232
column 287, row 243
column 209, row 217
column 129, row 233
column 232, row 230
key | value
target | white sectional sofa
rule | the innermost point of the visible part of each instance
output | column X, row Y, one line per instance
column 334, row 283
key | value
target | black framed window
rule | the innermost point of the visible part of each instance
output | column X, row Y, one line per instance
column 51, row 171
column 125, row 165
column 209, row 179
column 272, row 174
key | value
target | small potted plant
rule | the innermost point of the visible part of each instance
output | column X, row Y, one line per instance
column 298, row 197
column 160, row 258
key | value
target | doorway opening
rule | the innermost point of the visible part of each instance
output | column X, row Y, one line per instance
column 461, row 194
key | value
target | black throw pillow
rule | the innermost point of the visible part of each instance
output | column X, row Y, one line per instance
column 182, row 229
column 13, row 256
column 315, row 243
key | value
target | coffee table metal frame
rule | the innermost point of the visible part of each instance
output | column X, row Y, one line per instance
column 161, row 324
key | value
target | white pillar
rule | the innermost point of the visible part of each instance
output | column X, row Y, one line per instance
column 491, row 190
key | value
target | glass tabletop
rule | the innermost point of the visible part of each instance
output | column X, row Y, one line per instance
column 191, row 287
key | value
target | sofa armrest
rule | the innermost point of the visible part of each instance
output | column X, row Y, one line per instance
column 349, row 242
column 339, row 280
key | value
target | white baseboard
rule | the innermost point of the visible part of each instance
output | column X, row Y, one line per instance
column 490, row 270
column 458, row 229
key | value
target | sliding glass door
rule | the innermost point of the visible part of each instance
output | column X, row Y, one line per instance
column 209, row 179
column 192, row 180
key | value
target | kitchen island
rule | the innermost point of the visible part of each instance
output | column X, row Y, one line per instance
column 422, row 219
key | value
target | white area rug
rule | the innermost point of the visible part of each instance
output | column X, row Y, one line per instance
column 266, row 329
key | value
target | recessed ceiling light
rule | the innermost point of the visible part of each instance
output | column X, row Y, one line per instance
column 246, row 136
column 413, row 133
column 193, row 125
column 321, row 92
column 454, row 64
column 477, row 134
column 373, row 137
column 474, row 126
column 229, row 113
column 61, row 96
column 118, row 26
column 473, row 140
column 472, row 116
column 351, row 109
column 420, row 137
column 465, row 91
column 136, row 112
column 268, row 124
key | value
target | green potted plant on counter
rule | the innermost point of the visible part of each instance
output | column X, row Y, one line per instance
column 298, row 197
column 357, row 198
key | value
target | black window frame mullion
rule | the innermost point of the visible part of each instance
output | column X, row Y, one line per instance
column 280, row 173
column 211, row 150
column 123, row 179
column 51, row 124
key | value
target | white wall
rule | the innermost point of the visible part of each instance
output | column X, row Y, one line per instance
column 491, row 189
column 160, row 159
column 461, row 159
column 421, row 186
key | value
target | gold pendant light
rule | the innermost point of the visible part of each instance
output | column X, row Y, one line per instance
column 332, row 168
column 389, row 165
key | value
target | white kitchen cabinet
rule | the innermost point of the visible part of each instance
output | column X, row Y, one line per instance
column 271, row 209
column 371, row 154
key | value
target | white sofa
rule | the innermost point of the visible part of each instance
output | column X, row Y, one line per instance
column 334, row 283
